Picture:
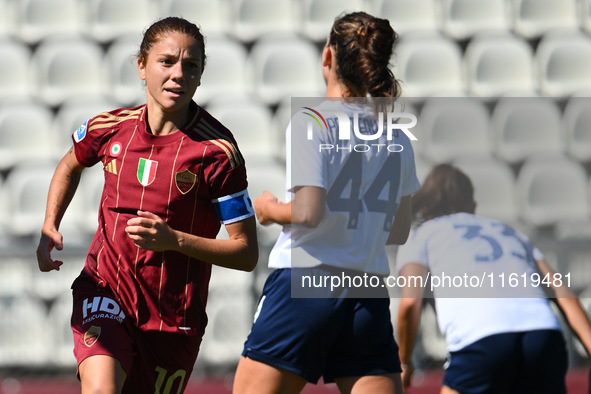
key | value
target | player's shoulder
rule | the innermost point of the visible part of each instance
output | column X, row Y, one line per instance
column 208, row 130
column 108, row 121
column 117, row 116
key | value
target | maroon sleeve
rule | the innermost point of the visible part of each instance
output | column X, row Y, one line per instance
column 227, row 172
column 90, row 138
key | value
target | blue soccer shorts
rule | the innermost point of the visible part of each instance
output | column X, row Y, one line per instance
column 329, row 337
column 520, row 362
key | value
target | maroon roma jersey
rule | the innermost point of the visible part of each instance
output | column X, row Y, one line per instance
column 178, row 177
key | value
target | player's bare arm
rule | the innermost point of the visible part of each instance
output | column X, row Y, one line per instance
column 307, row 207
column 269, row 210
column 61, row 191
column 409, row 317
column 569, row 305
column 240, row 251
column 402, row 221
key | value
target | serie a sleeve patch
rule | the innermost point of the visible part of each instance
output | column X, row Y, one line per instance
column 234, row 207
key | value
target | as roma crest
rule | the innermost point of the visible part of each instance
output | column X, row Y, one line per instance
column 92, row 335
column 185, row 181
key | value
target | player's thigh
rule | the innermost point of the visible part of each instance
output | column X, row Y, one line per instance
column 365, row 344
column 163, row 362
column 374, row 384
column 99, row 329
column 101, row 374
column 255, row 377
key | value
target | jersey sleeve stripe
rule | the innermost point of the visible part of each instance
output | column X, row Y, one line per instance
column 228, row 148
column 222, row 138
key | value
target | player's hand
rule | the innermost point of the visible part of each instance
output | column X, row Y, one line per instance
column 49, row 240
column 150, row 232
column 260, row 207
column 407, row 372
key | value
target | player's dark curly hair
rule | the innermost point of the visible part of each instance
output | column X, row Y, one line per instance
column 363, row 45
column 446, row 190
column 170, row 25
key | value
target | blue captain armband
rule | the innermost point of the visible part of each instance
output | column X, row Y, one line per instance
column 234, row 207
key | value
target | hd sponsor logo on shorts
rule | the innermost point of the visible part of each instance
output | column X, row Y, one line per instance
column 101, row 308
column 365, row 128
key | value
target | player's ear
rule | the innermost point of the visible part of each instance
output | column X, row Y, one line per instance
column 327, row 56
column 141, row 67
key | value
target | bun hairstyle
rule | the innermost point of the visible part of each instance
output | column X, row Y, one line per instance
column 363, row 46
column 170, row 25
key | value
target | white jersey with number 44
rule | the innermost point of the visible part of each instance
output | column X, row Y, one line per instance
column 365, row 174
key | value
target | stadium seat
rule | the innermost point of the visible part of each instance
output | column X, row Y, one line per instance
column 266, row 175
column 109, row 19
column 462, row 19
column 15, row 278
column 8, row 23
column 284, row 66
column 533, row 18
column 230, row 309
column 552, row 189
column 24, row 344
column 249, row 120
column 72, row 114
column 498, row 64
column 88, row 199
column 212, row 16
column 38, row 19
column 252, row 19
column 281, row 119
column 451, row 127
column 423, row 166
column 494, row 187
column 431, row 344
column 319, row 15
column 121, row 71
column 577, row 127
column 26, row 190
column 14, row 71
column 58, row 319
column 224, row 73
column 24, row 133
column 4, row 233
column 67, row 66
column 428, row 64
column 585, row 15
column 523, row 126
column 563, row 60
column 407, row 16
column 51, row 286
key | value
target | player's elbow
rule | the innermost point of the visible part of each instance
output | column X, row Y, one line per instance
column 250, row 259
column 310, row 218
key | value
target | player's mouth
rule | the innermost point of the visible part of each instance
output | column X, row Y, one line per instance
column 175, row 91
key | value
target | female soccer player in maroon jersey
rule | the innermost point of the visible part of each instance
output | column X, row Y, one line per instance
column 173, row 173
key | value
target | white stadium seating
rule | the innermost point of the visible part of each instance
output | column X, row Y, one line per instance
column 500, row 88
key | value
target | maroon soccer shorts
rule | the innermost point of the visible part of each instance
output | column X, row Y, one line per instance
column 154, row 361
